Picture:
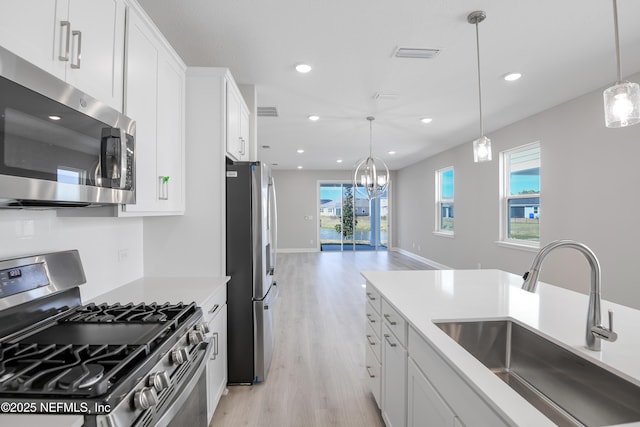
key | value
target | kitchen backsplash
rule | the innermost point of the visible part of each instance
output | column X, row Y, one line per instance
column 110, row 248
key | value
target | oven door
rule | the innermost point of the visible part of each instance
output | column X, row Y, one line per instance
column 189, row 408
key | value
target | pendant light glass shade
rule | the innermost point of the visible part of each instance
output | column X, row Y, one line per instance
column 482, row 149
column 371, row 175
column 622, row 105
column 622, row 100
column 482, row 145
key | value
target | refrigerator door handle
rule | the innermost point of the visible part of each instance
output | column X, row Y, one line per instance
column 272, row 224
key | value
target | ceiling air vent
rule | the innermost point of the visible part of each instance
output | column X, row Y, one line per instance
column 419, row 53
column 267, row 112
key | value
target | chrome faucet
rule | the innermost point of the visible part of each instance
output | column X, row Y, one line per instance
column 595, row 330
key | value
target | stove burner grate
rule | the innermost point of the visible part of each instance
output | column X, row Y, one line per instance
column 79, row 370
column 136, row 313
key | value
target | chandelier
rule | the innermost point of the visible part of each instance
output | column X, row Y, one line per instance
column 371, row 175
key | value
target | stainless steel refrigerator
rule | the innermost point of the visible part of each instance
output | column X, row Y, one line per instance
column 251, row 263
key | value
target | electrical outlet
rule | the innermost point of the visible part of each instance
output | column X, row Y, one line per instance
column 311, row 242
column 123, row 255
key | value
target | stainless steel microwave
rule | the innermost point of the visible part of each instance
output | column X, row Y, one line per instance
column 59, row 146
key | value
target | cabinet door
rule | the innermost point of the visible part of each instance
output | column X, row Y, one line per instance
column 141, row 72
column 36, row 31
column 425, row 406
column 170, row 140
column 233, row 146
column 217, row 364
column 394, row 380
column 244, row 132
column 97, row 49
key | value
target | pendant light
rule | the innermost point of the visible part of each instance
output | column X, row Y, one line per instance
column 371, row 175
column 482, row 145
column 622, row 100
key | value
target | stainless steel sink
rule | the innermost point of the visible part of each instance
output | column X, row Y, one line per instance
column 567, row 388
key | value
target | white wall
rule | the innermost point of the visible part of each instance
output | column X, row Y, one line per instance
column 297, row 195
column 194, row 244
column 110, row 248
column 589, row 192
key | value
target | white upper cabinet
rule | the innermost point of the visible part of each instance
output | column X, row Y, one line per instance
column 79, row 41
column 155, row 91
column 237, row 138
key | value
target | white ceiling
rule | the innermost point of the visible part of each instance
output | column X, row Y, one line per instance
column 564, row 48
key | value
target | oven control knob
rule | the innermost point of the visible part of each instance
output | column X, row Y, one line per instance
column 195, row 337
column 145, row 398
column 159, row 380
column 202, row 327
column 179, row 356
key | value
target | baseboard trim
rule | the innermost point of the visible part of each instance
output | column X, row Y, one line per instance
column 429, row 262
column 296, row 250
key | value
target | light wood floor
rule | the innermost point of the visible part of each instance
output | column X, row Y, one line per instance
column 317, row 376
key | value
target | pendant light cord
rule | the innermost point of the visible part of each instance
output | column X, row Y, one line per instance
column 371, row 119
column 615, row 25
column 479, row 81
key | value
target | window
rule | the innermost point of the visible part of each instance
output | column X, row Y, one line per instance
column 444, row 200
column 521, row 195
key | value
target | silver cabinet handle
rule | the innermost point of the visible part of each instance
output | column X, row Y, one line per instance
column 370, row 296
column 369, row 372
column 391, row 343
column 77, row 34
column 215, row 307
column 391, row 322
column 369, row 339
column 215, row 342
column 65, row 27
column 163, row 187
column 370, row 319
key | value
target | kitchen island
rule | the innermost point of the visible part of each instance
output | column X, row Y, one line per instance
column 420, row 298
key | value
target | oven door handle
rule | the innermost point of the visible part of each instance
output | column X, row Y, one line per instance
column 185, row 391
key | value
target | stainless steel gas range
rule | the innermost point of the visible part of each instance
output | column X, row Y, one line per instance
column 115, row 364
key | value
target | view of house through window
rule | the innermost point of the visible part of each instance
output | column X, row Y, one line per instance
column 352, row 222
column 521, row 198
column 444, row 200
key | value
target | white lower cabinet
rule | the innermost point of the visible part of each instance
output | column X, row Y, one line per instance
column 394, row 380
column 412, row 384
column 217, row 364
column 425, row 407
column 215, row 312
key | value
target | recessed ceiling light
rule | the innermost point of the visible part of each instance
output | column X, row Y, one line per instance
column 339, row 161
column 303, row 68
column 512, row 76
column 392, row 152
column 314, row 118
column 426, row 120
column 300, row 151
column 299, row 167
column 55, row 118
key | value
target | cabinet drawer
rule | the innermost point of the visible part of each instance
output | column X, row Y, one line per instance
column 468, row 406
column 373, row 297
column 214, row 303
column 373, row 374
column 373, row 320
column 395, row 322
column 373, row 341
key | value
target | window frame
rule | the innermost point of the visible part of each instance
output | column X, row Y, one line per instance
column 440, row 200
column 506, row 197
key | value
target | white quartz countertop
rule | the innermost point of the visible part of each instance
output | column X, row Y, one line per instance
column 558, row 314
column 147, row 290
column 164, row 289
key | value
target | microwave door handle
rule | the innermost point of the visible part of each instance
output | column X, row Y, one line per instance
column 111, row 153
column 123, row 159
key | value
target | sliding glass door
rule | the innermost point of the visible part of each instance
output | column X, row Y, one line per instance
column 350, row 221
